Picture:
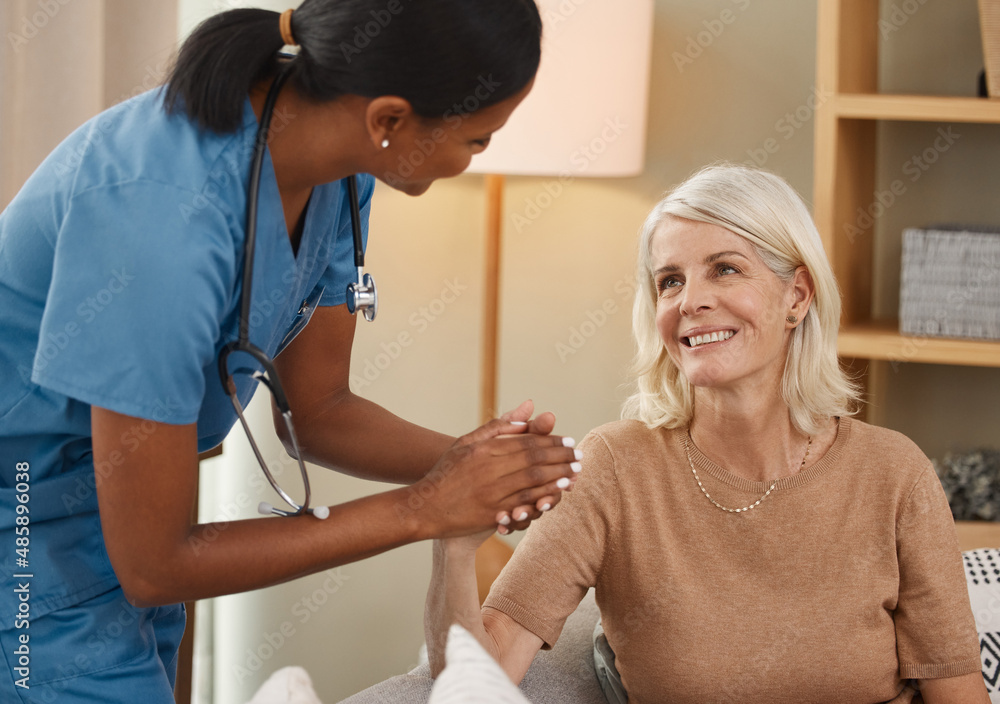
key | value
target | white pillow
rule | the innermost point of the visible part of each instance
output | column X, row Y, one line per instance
column 982, row 574
column 289, row 685
column 472, row 676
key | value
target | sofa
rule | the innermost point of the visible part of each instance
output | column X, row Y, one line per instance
column 567, row 672
column 564, row 674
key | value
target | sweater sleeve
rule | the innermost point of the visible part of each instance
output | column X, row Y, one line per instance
column 935, row 629
column 561, row 555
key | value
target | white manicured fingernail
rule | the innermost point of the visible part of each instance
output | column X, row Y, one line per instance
column 563, row 483
column 576, row 466
column 522, row 515
column 517, row 422
column 578, row 454
column 502, row 531
column 546, row 507
column 569, row 442
column 505, row 521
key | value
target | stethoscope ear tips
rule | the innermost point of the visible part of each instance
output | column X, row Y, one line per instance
column 265, row 509
column 321, row 512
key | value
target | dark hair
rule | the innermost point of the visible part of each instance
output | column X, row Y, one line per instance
column 434, row 53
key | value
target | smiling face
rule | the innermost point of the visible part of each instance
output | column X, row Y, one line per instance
column 720, row 311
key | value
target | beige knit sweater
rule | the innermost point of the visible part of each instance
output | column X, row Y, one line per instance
column 841, row 585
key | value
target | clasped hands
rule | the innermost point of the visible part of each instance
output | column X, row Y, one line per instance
column 502, row 476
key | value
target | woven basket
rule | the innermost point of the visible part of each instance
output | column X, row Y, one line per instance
column 989, row 21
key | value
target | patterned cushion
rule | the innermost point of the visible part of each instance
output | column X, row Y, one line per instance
column 982, row 573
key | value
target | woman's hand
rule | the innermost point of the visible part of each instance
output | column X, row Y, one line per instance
column 485, row 474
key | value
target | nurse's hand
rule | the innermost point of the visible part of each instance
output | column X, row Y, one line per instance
column 484, row 474
column 543, row 424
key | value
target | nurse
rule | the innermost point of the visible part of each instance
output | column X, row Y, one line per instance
column 120, row 282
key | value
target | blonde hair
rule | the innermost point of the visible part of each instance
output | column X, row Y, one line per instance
column 763, row 209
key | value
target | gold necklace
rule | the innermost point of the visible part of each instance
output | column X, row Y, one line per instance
column 687, row 451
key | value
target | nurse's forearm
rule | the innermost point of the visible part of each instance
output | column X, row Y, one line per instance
column 359, row 437
column 146, row 493
column 226, row 558
column 337, row 429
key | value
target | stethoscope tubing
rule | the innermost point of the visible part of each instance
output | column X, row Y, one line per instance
column 361, row 296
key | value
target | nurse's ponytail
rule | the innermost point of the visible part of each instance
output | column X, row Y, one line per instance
column 224, row 56
column 445, row 57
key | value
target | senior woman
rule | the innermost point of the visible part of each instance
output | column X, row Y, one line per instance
column 747, row 539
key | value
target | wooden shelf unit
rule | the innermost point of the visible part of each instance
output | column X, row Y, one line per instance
column 978, row 534
column 844, row 183
column 880, row 340
column 918, row 108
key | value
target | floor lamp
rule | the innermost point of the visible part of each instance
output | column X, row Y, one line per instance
column 584, row 118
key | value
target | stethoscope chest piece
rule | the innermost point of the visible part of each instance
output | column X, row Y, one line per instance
column 363, row 296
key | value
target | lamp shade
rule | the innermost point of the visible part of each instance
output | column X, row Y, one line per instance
column 586, row 114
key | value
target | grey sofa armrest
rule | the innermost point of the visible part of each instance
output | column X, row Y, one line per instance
column 563, row 674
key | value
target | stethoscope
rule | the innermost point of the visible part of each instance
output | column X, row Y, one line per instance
column 361, row 296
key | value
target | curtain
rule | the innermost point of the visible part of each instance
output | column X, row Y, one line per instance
column 63, row 61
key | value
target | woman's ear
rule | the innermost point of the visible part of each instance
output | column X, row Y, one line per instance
column 385, row 116
column 802, row 292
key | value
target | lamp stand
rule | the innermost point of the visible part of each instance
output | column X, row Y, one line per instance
column 491, row 297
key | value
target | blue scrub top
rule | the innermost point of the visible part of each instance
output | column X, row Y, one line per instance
column 120, row 281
